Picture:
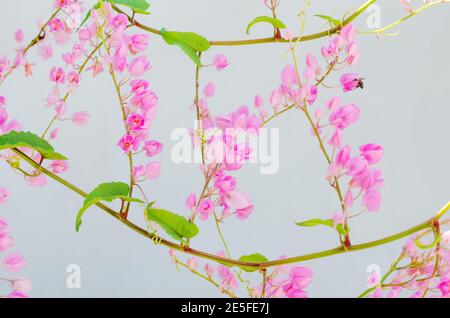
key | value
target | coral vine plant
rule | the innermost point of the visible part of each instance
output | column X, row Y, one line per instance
column 106, row 37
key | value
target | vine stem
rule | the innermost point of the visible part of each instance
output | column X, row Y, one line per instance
column 197, row 108
column 222, row 238
column 273, row 39
column 125, row 206
column 390, row 26
column 227, row 261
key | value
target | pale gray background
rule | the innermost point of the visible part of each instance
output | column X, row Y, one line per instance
column 405, row 108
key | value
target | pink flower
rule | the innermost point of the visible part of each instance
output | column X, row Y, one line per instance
column 206, row 209
column 139, row 87
column 153, row 148
column 153, row 170
column 138, row 43
column 127, row 143
column 138, row 172
column 243, row 214
column 345, row 116
column 333, row 103
column 444, row 287
column 372, row 153
column 210, row 90
column 6, row 241
column 192, row 263
column 276, row 100
column 237, row 200
column 73, row 78
column 19, row 36
column 225, row 184
column 289, row 75
column 14, row 263
column 348, row 33
column 336, row 139
column 17, row 294
column 355, row 166
column 350, row 81
column 59, row 166
column 343, row 156
column 57, row 75
column 4, row 195
column 302, row 276
column 220, row 62
column 136, row 122
column 372, row 200
column 45, row 51
column 299, row 278
column 36, row 182
column 3, row 225
column 139, row 66
column 54, row 134
column 373, row 280
column 445, row 239
column 191, row 201
column 81, row 118
column 21, row 285
column 229, row 281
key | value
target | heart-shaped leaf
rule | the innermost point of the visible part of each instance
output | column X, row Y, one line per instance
column 253, row 258
column 190, row 43
column 173, row 224
column 105, row 192
column 16, row 139
column 316, row 222
column 264, row 19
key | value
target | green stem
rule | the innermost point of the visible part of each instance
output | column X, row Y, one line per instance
column 383, row 29
column 197, row 108
column 273, row 39
column 224, row 242
column 227, row 261
column 125, row 207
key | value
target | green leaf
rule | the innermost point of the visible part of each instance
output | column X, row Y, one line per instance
column 138, row 6
column 16, row 139
column 331, row 20
column 173, row 224
column 316, row 222
column 105, row 192
column 275, row 22
column 190, row 43
column 253, row 258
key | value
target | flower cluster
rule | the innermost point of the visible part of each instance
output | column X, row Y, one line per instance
column 123, row 56
column 286, row 282
column 422, row 270
column 10, row 263
column 329, row 123
column 224, row 143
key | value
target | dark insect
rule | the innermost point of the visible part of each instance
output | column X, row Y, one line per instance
column 360, row 83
